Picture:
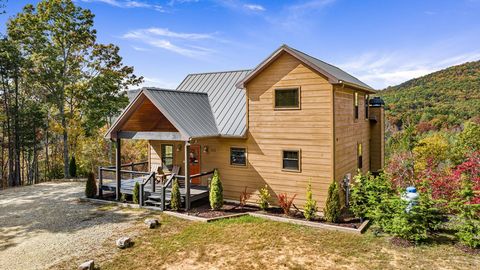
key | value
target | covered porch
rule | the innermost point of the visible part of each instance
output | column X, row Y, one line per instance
column 161, row 115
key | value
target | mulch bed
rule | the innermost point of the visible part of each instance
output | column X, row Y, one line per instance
column 296, row 214
column 468, row 250
column 228, row 209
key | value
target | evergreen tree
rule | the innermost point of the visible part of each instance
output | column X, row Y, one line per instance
column 176, row 201
column 216, row 192
column 136, row 193
column 332, row 208
column 73, row 167
column 91, row 187
column 310, row 208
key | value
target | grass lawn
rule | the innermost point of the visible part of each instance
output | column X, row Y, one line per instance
column 254, row 243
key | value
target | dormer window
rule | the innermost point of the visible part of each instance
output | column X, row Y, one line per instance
column 287, row 98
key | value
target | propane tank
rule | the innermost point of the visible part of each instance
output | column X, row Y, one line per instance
column 411, row 196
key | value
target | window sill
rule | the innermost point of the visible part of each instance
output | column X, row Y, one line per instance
column 291, row 170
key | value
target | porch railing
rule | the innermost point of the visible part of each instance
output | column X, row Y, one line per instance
column 111, row 169
column 152, row 180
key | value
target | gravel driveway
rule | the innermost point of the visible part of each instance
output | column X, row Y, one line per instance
column 45, row 224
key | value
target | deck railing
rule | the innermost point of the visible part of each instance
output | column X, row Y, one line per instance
column 111, row 169
column 152, row 180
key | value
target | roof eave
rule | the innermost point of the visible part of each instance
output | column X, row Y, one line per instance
column 369, row 90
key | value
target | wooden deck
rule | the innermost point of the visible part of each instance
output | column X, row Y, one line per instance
column 196, row 192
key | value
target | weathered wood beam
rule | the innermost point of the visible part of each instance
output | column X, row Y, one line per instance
column 118, row 173
column 150, row 135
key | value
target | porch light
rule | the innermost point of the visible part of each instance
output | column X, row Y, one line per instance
column 205, row 149
column 179, row 148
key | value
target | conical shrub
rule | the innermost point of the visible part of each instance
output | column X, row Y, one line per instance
column 310, row 208
column 72, row 167
column 176, row 201
column 332, row 208
column 90, row 187
column 216, row 192
column 136, row 193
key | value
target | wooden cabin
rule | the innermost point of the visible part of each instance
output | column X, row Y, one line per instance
column 292, row 120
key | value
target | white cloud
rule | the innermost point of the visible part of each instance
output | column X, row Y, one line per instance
column 128, row 4
column 157, row 82
column 159, row 38
column 254, row 7
column 382, row 70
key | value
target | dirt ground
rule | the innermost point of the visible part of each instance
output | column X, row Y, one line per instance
column 45, row 224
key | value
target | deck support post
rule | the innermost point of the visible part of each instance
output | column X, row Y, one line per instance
column 118, row 167
column 100, row 182
column 187, row 175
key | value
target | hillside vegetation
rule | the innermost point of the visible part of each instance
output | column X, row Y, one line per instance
column 443, row 99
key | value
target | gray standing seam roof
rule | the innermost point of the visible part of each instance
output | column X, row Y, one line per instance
column 228, row 102
column 189, row 112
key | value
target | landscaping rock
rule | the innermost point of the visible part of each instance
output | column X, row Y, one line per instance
column 124, row 242
column 88, row 265
column 152, row 223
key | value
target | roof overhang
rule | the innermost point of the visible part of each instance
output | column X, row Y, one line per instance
column 277, row 53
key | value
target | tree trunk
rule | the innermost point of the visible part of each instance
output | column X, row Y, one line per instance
column 66, row 173
column 16, row 131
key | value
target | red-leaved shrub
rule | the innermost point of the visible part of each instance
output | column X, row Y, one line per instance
column 285, row 203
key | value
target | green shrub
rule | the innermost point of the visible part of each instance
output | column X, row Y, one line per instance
column 263, row 198
column 414, row 225
column 72, row 168
column 367, row 193
column 468, row 219
column 332, row 209
column 123, row 198
column 136, row 193
column 176, row 202
column 310, row 207
column 56, row 171
column 90, row 187
column 216, row 192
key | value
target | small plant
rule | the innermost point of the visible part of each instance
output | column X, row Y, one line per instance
column 285, row 203
column 332, row 208
column 90, row 187
column 243, row 198
column 310, row 207
column 468, row 228
column 216, row 192
column 263, row 198
column 136, row 193
column 176, row 202
column 72, row 168
column 123, row 198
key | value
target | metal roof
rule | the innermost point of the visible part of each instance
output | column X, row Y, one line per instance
column 228, row 102
column 334, row 74
column 189, row 112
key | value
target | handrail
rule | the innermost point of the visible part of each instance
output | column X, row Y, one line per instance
column 196, row 175
column 164, row 188
column 128, row 164
column 124, row 171
column 151, row 177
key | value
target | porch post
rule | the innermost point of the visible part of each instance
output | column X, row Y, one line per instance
column 118, row 167
column 187, row 175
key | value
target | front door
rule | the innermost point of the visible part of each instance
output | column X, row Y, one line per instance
column 194, row 162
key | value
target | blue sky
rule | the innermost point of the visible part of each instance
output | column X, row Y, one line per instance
column 381, row 42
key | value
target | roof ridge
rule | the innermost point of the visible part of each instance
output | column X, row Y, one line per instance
column 173, row 90
column 213, row 72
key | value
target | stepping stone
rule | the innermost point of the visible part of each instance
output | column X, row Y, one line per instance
column 124, row 242
column 152, row 223
column 88, row 265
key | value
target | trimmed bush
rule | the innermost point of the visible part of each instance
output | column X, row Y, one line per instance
column 136, row 193
column 310, row 207
column 216, row 192
column 72, row 168
column 91, row 186
column 176, row 202
column 332, row 209
column 263, row 198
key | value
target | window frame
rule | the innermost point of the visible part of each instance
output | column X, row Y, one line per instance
column 355, row 105
column 246, row 156
column 163, row 152
column 299, row 160
column 359, row 156
column 283, row 108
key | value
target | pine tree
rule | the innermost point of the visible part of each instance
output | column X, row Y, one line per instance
column 332, row 207
column 310, row 208
column 216, row 192
column 176, row 201
column 73, row 167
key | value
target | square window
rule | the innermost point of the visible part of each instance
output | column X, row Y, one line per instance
column 238, row 156
column 287, row 98
column 291, row 160
column 167, row 156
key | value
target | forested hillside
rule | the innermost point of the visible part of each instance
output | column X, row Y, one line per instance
column 443, row 99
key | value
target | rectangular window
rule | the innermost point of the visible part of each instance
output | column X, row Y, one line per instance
column 359, row 156
column 287, row 98
column 367, row 98
column 355, row 105
column 238, row 156
column 167, row 156
column 291, row 160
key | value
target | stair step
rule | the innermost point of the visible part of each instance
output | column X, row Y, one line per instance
column 153, row 202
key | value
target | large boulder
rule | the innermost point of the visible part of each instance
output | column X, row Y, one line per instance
column 124, row 242
column 88, row 265
column 152, row 223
